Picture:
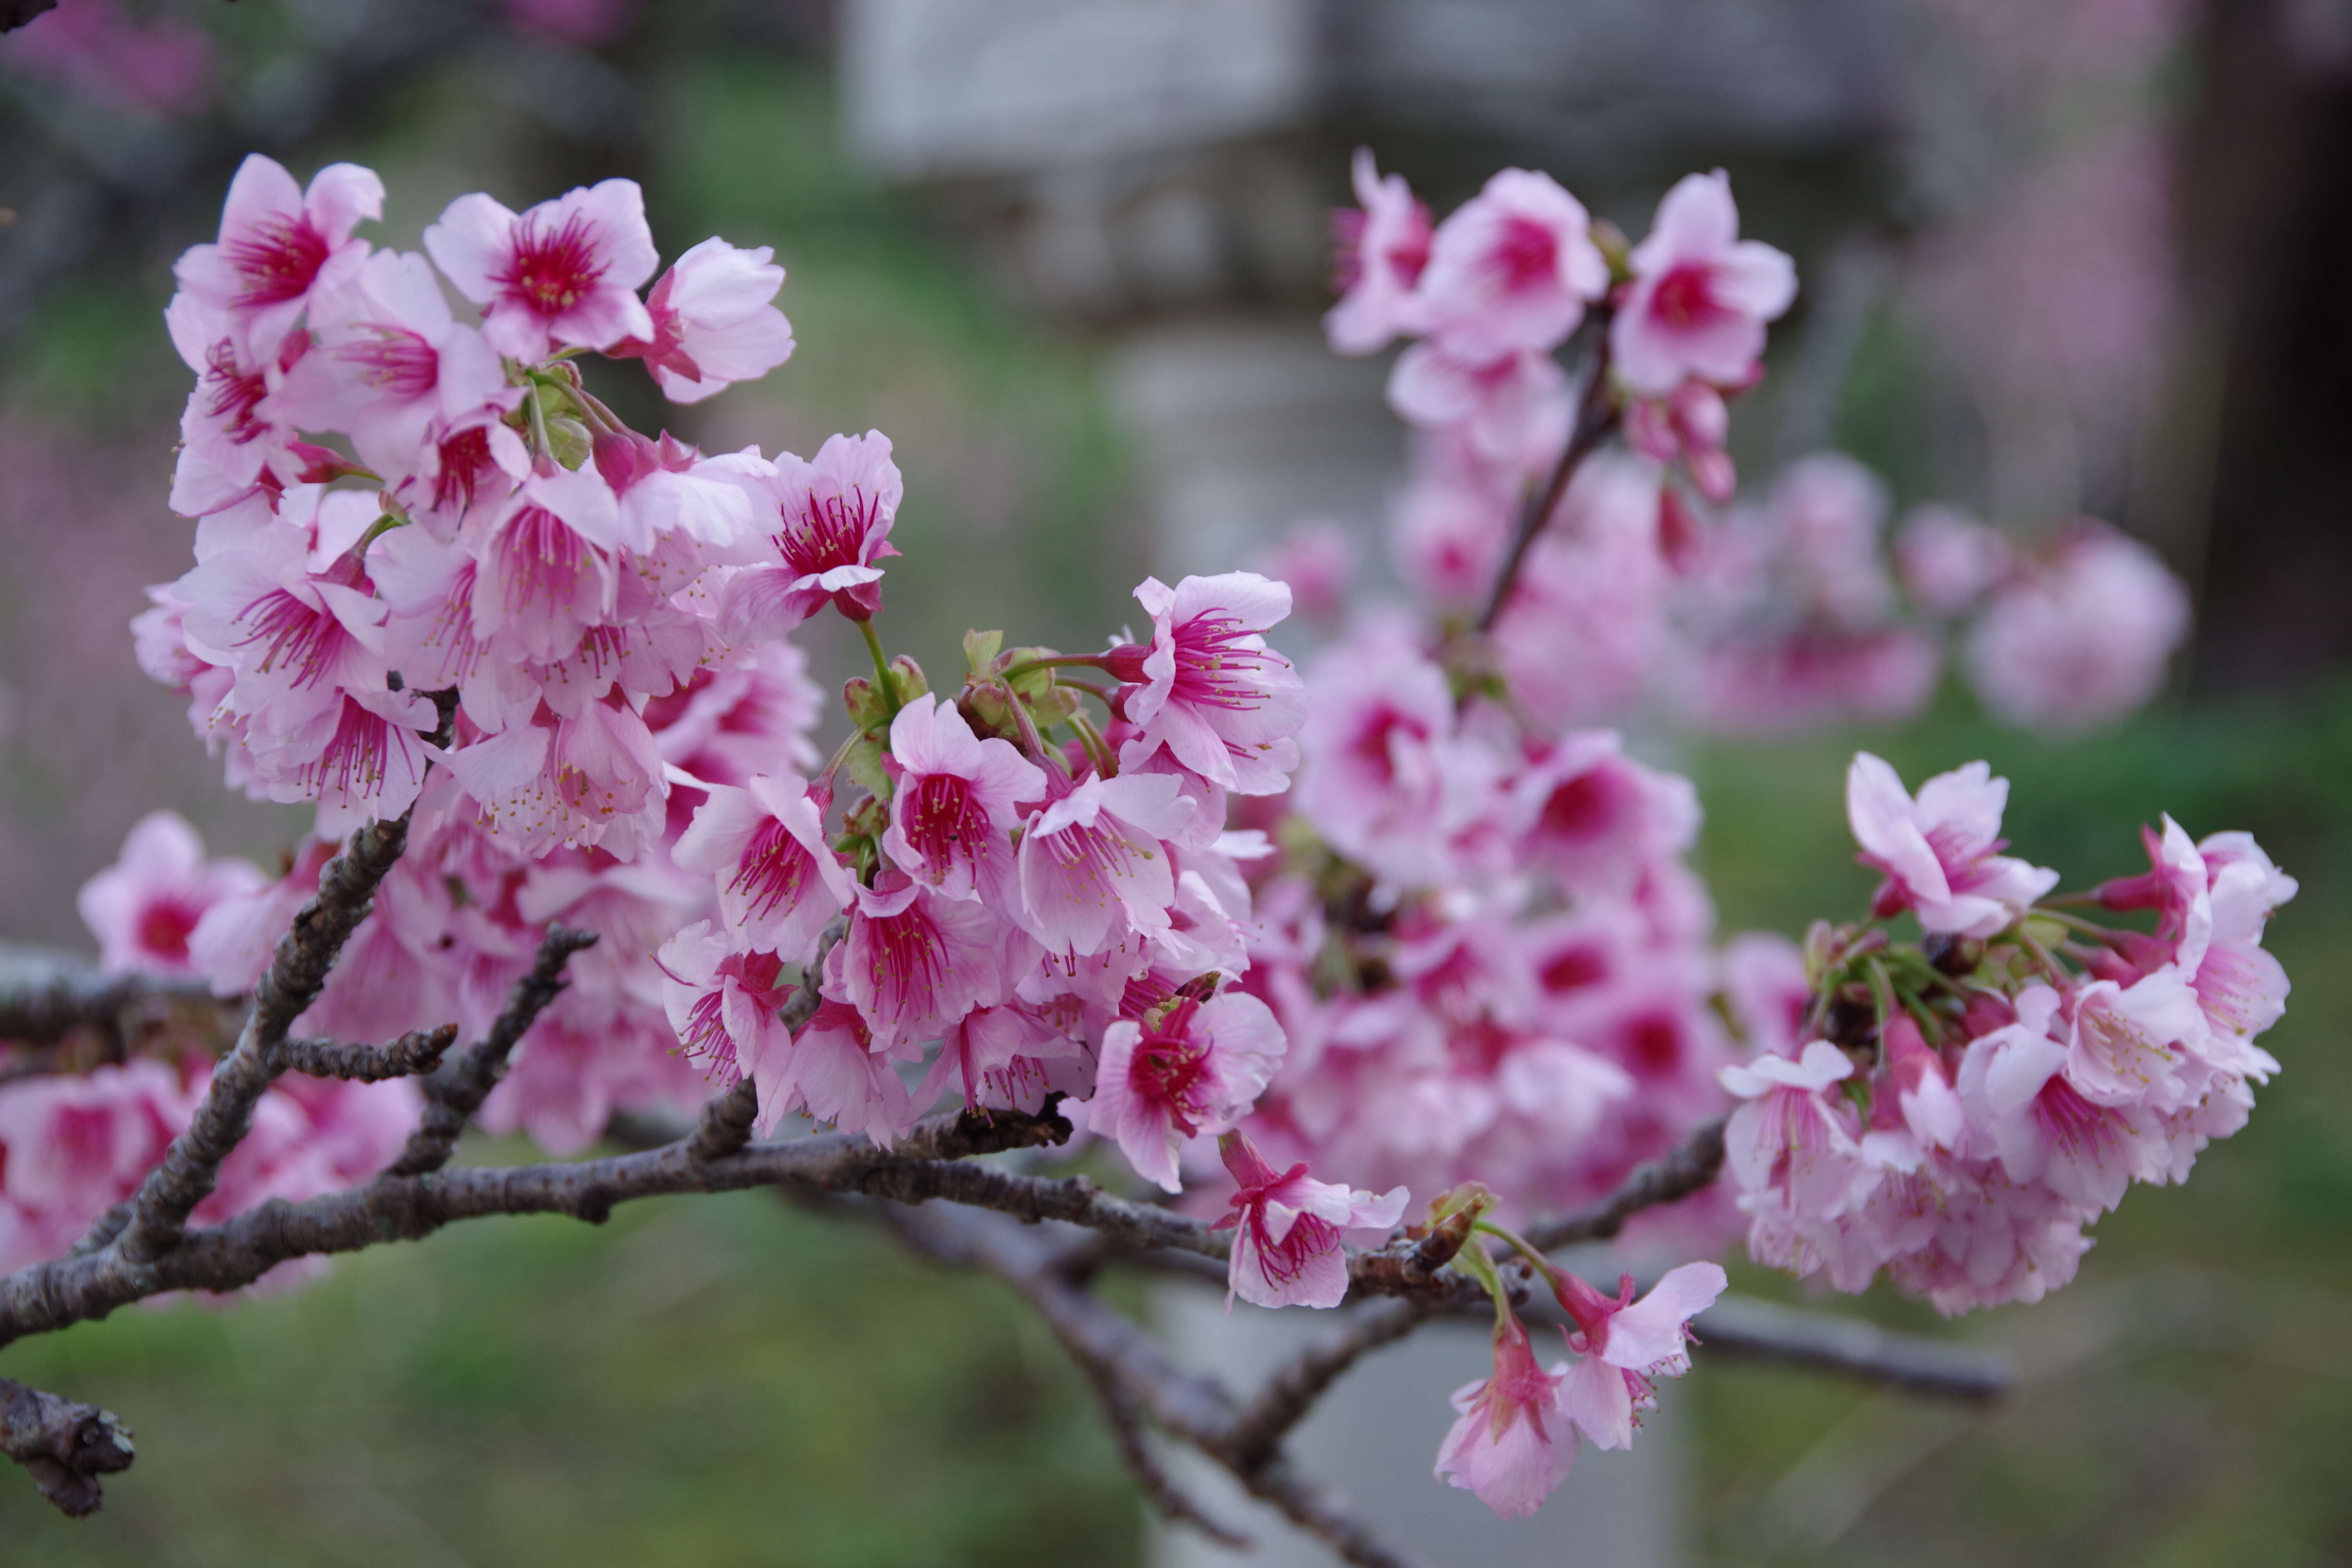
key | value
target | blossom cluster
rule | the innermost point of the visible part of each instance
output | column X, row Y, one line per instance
column 1652, row 583
column 1954, row 1111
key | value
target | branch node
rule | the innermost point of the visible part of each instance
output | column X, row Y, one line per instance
column 64, row 1445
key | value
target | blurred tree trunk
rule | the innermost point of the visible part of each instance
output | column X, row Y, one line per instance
column 2266, row 217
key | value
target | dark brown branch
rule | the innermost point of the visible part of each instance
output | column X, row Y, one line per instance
column 1596, row 418
column 64, row 1445
column 728, row 1118
column 1292, row 1392
column 454, row 1093
column 1113, row 1349
column 418, row 1051
column 305, row 954
column 1744, row 1327
column 1690, row 1167
column 40, row 1005
column 47, row 1296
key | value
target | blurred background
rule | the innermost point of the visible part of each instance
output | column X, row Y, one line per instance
column 2059, row 257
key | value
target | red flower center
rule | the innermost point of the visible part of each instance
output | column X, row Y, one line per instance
column 278, row 258
column 552, row 270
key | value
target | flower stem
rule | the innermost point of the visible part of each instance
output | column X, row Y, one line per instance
column 1059, row 662
column 889, row 682
column 1596, row 418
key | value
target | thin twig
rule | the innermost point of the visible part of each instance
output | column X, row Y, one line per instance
column 305, row 954
column 454, row 1093
column 1292, row 1392
column 42, row 1001
column 1691, row 1166
column 64, row 1445
column 418, row 1051
column 1596, row 417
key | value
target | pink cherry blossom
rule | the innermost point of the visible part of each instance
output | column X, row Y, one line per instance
column 831, row 522
column 1787, row 1135
column 1381, row 247
column 1942, row 852
column 1316, row 559
column 1286, row 1224
column 231, row 441
column 1094, row 866
column 955, row 807
column 1625, row 1345
column 1195, row 1070
column 722, row 1005
column 1514, row 409
column 914, row 961
column 278, row 242
column 1948, row 560
column 392, row 366
column 666, row 488
column 1514, row 1442
column 778, row 880
column 2081, row 639
column 2044, row 1127
column 565, row 271
column 1700, row 296
column 1511, row 268
column 996, row 1058
column 1208, row 689
column 361, row 759
column 838, row 1075
column 590, row 777
column 145, row 907
column 713, row 322
column 73, row 1144
column 1596, row 818
column 545, row 570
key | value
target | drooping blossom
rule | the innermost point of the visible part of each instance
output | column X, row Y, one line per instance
column 1941, row 853
column 1381, row 247
column 1787, row 1134
column 1190, row 1071
column 1001, row 1058
column 278, row 242
column 1287, row 1224
column 1513, row 1441
column 1626, row 1344
column 713, row 322
column 1208, row 689
column 830, row 524
column 722, row 1005
column 840, row 1073
column 779, row 879
column 145, row 907
column 566, row 271
column 2082, row 639
column 1700, row 296
column 1513, row 268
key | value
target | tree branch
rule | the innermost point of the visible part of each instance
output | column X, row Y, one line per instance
column 1745, row 1327
column 454, row 1093
column 1595, row 418
column 1292, row 1392
column 44, row 997
column 1691, row 1166
column 415, row 1053
column 65, row 1446
column 305, row 954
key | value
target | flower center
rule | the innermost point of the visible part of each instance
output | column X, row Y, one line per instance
column 551, row 271
column 278, row 258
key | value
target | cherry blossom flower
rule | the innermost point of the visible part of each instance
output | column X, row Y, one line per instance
column 839, row 1074
column 1511, row 268
column 1786, row 1134
column 1094, row 866
column 1316, row 559
column 997, row 1057
column 832, row 522
column 278, row 243
column 73, row 1144
column 1625, row 1345
column 1700, row 295
column 1514, row 409
column 2082, row 639
column 955, row 806
column 722, row 1005
column 392, row 366
column 1208, row 689
column 1514, row 1442
column 1383, row 247
column 565, row 271
column 2044, row 1129
column 1194, row 1070
column 546, row 571
column 145, row 908
column 914, row 961
column 1596, row 818
column 1948, row 560
column 779, row 879
column 1942, row 852
column 1287, row 1224
column 713, row 322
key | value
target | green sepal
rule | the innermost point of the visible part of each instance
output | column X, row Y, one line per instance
column 910, row 679
column 981, row 649
column 868, row 709
column 863, row 764
column 567, row 440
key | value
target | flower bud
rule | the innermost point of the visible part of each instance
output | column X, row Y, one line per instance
column 1125, row 663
